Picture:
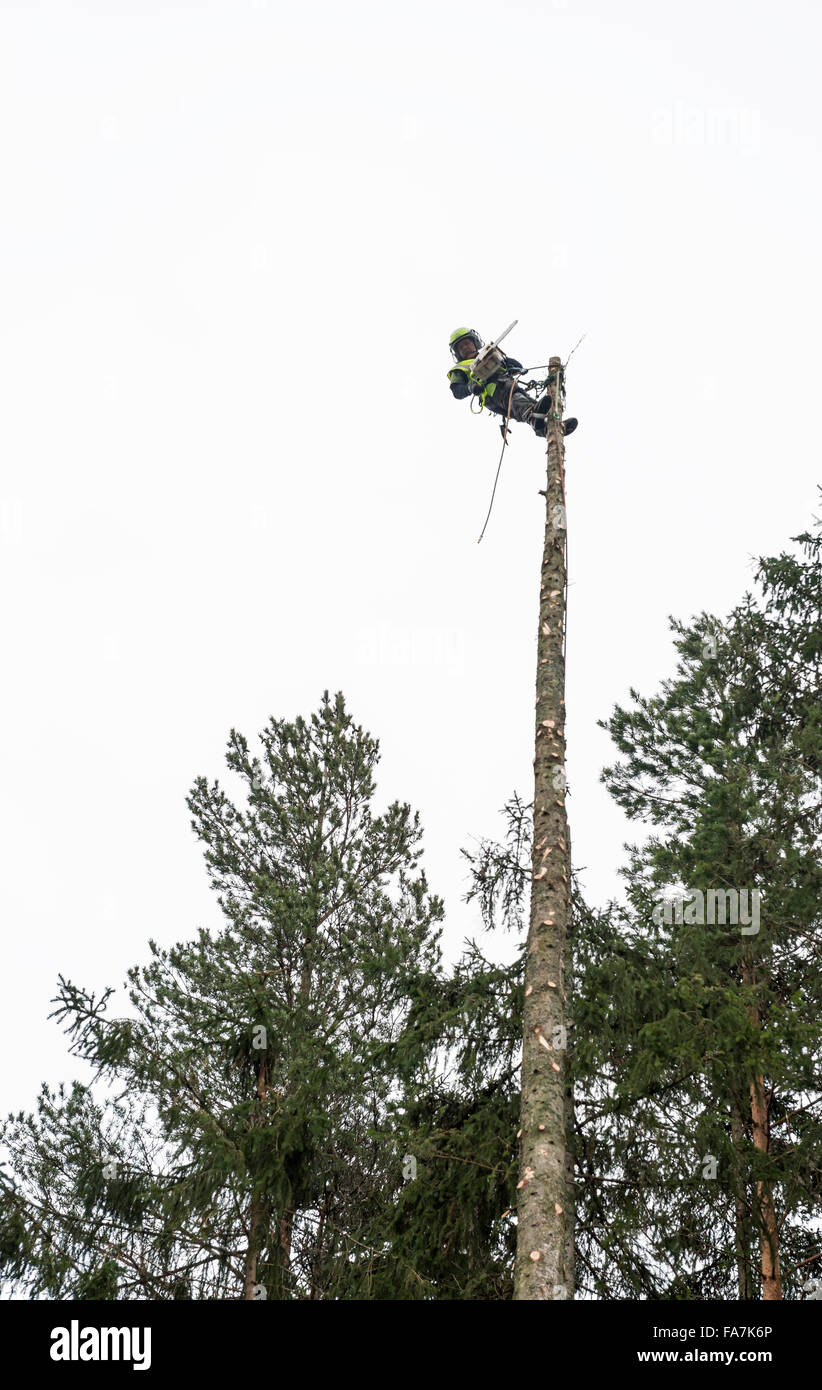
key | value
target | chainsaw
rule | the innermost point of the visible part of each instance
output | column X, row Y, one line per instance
column 489, row 361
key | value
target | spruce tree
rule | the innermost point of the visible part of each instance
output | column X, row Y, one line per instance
column 683, row 1032
column 721, row 1062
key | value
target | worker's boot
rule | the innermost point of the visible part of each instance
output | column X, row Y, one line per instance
column 541, row 416
column 541, row 425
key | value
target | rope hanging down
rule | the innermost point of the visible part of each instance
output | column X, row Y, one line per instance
column 502, row 453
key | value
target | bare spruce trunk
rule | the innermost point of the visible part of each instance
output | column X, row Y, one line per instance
column 544, row 1262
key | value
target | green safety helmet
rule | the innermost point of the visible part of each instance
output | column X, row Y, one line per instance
column 457, row 336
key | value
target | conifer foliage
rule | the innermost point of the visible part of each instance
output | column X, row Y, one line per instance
column 303, row 1104
column 703, row 1034
column 243, row 1148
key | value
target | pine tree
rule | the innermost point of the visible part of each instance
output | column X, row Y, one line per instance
column 245, row 1144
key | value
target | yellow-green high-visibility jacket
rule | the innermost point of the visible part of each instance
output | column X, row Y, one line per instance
column 463, row 383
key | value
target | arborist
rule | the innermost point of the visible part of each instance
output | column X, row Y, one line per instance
column 494, row 391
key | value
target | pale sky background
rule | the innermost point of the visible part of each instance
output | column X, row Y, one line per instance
column 234, row 241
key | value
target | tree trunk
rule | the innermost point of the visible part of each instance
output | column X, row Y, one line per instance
column 258, row 1211
column 544, row 1262
column 256, row 1239
column 771, row 1280
column 742, row 1241
column 316, row 1262
column 570, row 1136
column 760, row 1125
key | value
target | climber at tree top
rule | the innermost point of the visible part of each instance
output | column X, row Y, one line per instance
column 470, row 377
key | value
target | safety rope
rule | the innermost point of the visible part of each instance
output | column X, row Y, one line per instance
column 502, row 451
column 573, row 350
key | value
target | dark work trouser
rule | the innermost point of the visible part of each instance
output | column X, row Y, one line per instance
column 522, row 405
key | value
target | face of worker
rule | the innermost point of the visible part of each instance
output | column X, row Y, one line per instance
column 466, row 347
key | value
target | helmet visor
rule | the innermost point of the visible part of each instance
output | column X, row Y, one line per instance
column 465, row 347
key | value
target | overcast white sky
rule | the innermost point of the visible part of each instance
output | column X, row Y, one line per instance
column 234, row 241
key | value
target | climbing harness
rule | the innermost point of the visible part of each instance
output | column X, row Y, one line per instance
column 557, row 410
